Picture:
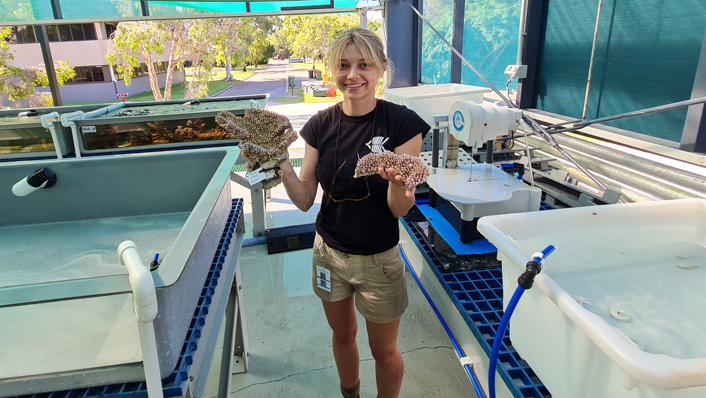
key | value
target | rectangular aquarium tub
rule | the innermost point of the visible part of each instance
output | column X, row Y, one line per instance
column 619, row 309
column 65, row 300
column 23, row 135
column 140, row 126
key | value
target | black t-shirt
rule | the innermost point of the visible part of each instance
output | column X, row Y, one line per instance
column 357, row 226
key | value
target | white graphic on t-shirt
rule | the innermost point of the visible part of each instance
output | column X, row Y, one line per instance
column 376, row 143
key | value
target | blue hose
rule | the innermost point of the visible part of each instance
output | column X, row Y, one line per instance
column 498, row 341
column 459, row 350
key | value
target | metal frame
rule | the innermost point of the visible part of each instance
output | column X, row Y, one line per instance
column 457, row 39
column 285, row 11
column 43, row 39
column 404, row 37
column 259, row 200
column 533, row 26
column 693, row 137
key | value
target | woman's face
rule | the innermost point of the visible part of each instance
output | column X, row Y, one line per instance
column 356, row 78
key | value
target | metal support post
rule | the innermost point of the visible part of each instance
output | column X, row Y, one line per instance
column 489, row 151
column 43, row 39
column 257, row 196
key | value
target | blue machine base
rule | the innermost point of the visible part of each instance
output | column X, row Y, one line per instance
column 450, row 235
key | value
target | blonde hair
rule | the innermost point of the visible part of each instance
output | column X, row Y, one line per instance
column 368, row 43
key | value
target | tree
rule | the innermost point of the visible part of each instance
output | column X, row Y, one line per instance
column 203, row 54
column 229, row 42
column 279, row 42
column 490, row 29
column 313, row 34
column 20, row 83
column 255, row 38
column 147, row 40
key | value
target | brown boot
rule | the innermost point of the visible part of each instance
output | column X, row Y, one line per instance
column 352, row 392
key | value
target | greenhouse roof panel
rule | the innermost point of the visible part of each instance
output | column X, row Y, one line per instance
column 32, row 12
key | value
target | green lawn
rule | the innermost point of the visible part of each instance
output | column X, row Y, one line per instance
column 300, row 96
column 307, row 65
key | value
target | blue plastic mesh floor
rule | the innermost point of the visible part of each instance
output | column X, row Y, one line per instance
column 175, row 384
column 478, row 296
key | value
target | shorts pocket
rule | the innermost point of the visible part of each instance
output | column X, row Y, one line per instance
column 319, row 252
column 390, row 264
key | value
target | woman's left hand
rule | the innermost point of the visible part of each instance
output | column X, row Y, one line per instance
column 395, row 179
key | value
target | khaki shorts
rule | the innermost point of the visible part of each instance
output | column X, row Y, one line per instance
column 376, row 280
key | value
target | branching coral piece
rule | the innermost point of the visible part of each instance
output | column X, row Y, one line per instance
column 411, row 168
column 140, row 137
column 265, row 137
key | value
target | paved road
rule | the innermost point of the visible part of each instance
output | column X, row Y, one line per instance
column 272, row 79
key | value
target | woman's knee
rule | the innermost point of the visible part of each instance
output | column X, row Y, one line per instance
column 385, row 354
column 345, row 335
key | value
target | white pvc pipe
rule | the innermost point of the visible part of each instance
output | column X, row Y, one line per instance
column 145, row 306
column 50, row 126
column 66, row 122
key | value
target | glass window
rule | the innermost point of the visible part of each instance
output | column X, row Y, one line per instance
column 110, row 28
column 88, row 74
column 436, row 56
column 89, row 31
column 98, row 74
column 53, row 32
column 64, row 32
column 24, row 34
column 76, row 32
column 490, row 30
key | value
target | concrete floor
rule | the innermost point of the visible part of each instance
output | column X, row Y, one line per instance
column 290, row 342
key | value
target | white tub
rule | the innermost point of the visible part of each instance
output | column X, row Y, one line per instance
column 620, row 309
column 432, row 99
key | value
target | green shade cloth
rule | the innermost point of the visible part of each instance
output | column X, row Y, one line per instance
column 29, row 12
column 646, row 55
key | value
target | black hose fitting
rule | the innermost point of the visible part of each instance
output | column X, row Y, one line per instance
column 526, row 279
column 41, row 176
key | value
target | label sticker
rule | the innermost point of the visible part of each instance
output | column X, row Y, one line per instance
column 323, row 278
column 88, row 129
column 255, row 176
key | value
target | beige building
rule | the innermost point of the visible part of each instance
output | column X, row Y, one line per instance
column 84, row 46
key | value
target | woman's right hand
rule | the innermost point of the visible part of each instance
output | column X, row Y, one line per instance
column 245, row 155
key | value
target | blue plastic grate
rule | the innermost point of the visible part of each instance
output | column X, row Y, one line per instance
column 175, row 384
column 478, row 295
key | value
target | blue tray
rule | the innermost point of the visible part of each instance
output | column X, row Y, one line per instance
column 478, row 296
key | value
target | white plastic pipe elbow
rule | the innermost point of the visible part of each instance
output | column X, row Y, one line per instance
column 143, row 290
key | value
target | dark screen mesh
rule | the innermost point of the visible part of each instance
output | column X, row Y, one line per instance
column 646, row 55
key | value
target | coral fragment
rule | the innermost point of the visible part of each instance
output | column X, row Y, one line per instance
column 412, row 170
column 265, row 137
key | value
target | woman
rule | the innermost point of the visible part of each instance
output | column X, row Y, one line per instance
column 356, row 262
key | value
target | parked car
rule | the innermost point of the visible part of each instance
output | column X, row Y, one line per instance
column 294, row 60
